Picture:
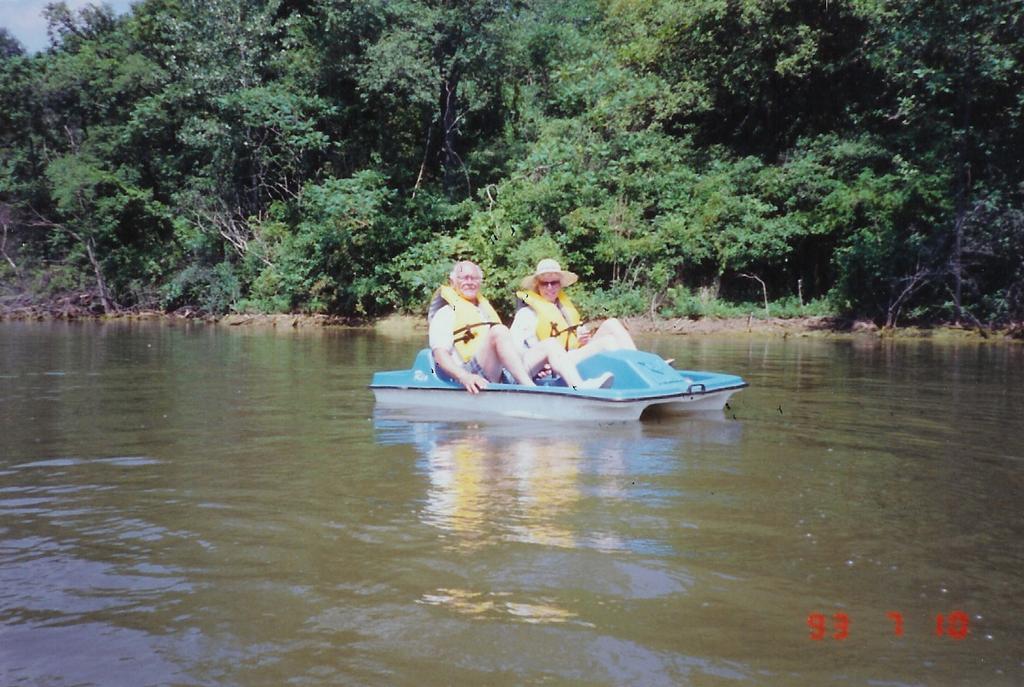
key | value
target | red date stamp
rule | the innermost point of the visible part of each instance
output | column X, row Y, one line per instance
column 955, row 625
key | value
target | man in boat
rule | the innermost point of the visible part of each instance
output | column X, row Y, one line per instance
column 545, row 313
column 471, row 346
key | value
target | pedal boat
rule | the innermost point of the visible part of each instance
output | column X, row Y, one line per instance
column 643, row 382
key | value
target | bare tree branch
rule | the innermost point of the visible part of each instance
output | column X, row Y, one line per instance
column 5, row 219
column 911, row 284
column 764, row 289
column 423, row 164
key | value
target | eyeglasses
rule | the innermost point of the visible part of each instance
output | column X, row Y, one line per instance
column 556, row 282
column 469, row 278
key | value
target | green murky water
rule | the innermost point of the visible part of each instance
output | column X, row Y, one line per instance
column 193, row 505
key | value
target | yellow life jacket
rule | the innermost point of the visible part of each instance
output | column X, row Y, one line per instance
column 550, row 320
column 468, row 323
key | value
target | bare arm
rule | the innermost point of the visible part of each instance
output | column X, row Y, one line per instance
column 473, row 382
column 523, row 328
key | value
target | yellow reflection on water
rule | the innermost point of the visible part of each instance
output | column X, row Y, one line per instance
column 499, row 605
column 485, row 489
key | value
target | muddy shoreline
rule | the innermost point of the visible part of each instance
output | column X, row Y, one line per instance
column 70, row 309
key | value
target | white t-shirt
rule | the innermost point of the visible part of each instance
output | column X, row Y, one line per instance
column 524, row 328
column 442, row 330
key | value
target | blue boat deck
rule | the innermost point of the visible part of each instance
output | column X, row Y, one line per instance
column 638, row 376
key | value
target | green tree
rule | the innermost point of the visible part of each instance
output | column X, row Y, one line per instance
column 953, row 84
column 328, row 260
column 9, row 45
column 102, row 215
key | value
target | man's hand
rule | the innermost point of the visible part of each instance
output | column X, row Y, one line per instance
column 473, row 383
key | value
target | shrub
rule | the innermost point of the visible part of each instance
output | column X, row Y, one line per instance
column 210, row 289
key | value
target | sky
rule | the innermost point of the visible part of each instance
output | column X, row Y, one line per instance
column 24, row 19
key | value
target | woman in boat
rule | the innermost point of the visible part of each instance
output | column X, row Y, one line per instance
column 546, row 313
column 470, row 345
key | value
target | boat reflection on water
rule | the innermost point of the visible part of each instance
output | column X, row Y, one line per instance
column 554, row 484
column 560, row 524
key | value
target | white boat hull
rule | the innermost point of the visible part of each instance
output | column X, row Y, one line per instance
column 642, row 382
column 522, row 404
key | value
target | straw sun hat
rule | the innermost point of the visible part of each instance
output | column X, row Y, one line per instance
column 549, row 266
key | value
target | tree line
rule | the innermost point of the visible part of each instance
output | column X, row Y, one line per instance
column 861, row 157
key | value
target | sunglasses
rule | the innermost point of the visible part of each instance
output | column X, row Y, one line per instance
column 556, row 282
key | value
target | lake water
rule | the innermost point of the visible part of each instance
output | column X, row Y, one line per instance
column 197, row 505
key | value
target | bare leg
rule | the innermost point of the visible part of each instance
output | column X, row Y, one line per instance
column 612, row 329
column 499, row 351
column 551, row 352
column 593, row 347
column 610, row 336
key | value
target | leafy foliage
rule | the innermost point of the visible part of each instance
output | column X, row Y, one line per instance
column 326, row 260
column 337, row 156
